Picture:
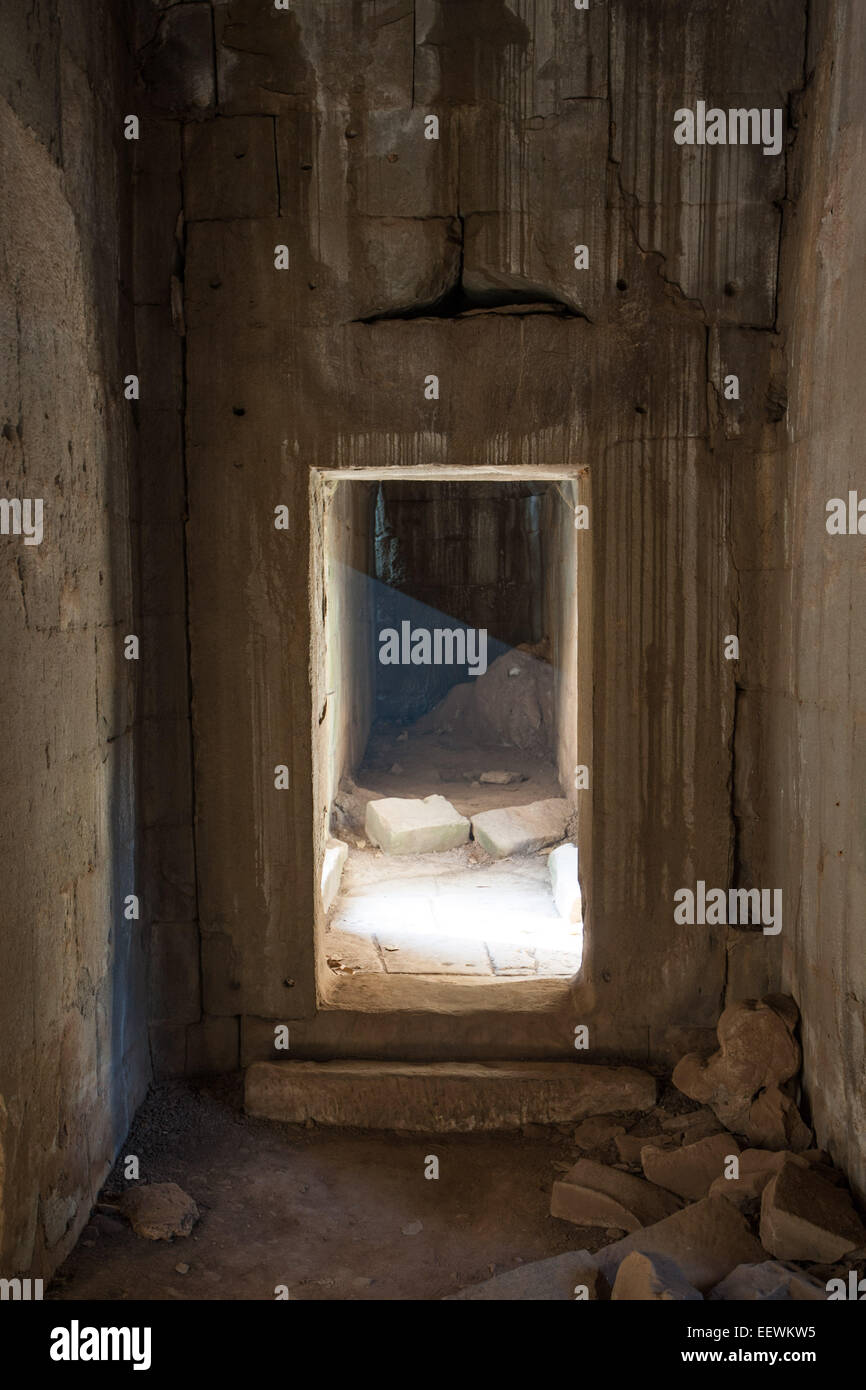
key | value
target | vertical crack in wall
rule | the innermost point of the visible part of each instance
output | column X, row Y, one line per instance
column 184, row 367
column 274, row 120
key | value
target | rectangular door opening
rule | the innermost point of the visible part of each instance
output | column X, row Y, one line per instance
column 447, row 734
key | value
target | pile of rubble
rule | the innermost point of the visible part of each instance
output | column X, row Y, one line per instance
column 728, row 1201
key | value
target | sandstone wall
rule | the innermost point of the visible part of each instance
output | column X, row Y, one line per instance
column 74, row 1061
column 310, row 136
column 803, row 761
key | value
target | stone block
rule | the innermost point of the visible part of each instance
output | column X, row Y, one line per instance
column 404, row 825
column 556, row 1279
column 769, row 1281
column 159, row 1211
column 564, row 884
column 689, row 1171
column 652, row 1278
column 757, row 1050
column 757, row 1167
column 442, row 1097
column 177, row 66
column 591, row 1194
column 230, row 168
column 803, row 1217
column 706, row 1240
column 336, row 853
column 521, row 829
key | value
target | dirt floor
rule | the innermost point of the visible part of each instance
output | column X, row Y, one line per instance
column 431, row 764
column 333, row 1214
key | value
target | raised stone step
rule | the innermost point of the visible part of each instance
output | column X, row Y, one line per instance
column 442, row 1097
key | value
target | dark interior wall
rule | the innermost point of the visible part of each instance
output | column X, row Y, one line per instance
column 74, row 1061
column 451, row 554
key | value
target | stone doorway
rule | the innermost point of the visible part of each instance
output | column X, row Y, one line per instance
column 448, row 726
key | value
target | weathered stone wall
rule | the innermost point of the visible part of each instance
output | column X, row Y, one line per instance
column 311, row 137
column 804, row 708
column 350, row 678
column 74, row 1061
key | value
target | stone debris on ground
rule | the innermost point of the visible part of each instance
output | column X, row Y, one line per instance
column 690, row 1170
column 562, row 1278
column 515, row 710
column 159, row 1211
column 741, row 1080
column 597, row 1133
column 652, row 1278
column 629, row 1147
column 592, row 1194
column 407, row 825
column 521, row 829
column 804, row 1217
column 695, row 1125
column 707, row 1240
column 699, row 1224
column 769, row 1281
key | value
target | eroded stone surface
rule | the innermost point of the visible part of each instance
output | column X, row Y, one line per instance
column 770, row 1281
column 403, row 825
column 805, row 1218
column 707, row 1240
column 757, row 1051
column 159, row 1211
column 592, row 1194
column 521, row 829
column 689, row 1171
column 564, row 882
column 442, row 1096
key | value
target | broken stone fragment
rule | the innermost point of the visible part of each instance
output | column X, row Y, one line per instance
column 411, row 826
column 564, row 883
column 768, row 1281
column 159, row 1211
column 707, row 1240
column 333, row 861
column 689, row 1171
column 501, row 779
column 757, row 1050
column 652, row 1278
column 521, row 829
column 597, row 1133
column 630, row 1146
column 774, row 1122
column 757, row 1167
column 803, row 1217
column 697, row 1124
column 563, row 1278
column 591, row 1194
